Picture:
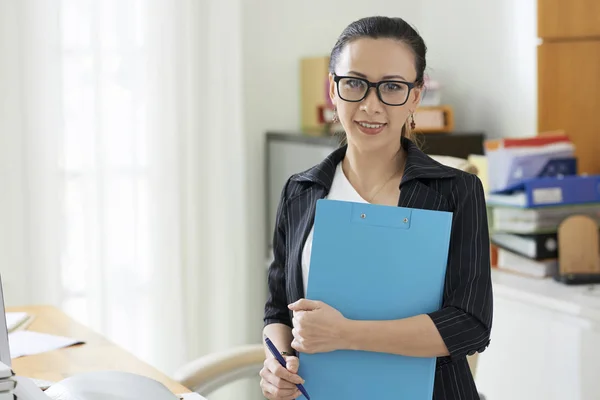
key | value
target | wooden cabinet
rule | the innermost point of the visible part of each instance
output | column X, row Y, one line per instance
column 569, row 96
column 561, row 19
column 569, row 75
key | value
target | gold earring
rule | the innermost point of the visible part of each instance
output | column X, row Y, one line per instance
column 335, row 116
column 412, row 121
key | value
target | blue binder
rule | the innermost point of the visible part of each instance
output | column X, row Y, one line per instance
column 374, row 262
column 549, row 192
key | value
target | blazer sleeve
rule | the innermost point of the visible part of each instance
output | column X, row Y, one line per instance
column 465, row 320
column 276, row 307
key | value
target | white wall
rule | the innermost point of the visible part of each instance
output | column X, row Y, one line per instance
column 483, row 51
column 12, row 171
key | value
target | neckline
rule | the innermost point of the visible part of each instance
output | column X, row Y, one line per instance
column 348, row 184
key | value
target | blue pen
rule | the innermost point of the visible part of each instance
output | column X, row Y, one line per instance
column 281, row 360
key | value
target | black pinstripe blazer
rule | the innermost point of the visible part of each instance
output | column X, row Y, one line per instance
column 465, row 319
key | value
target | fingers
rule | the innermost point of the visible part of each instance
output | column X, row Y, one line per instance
column 298, row 345
column 292, row 364
column 279, row 371
column 277, row 382
column 271, row 392
column 298, row 318
column 304, row 304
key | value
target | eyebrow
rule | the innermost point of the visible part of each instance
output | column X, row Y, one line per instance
column 384, row 78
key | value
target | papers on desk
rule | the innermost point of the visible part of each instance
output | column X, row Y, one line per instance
column 16, row 319
column 26, row 343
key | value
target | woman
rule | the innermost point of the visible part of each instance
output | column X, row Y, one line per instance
column 376, row 82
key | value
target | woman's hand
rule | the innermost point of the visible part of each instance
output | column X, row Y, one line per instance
column 279, row 383
column 318, row 327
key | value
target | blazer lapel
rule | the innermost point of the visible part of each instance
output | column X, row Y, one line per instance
column 302, row 211
column 421, row 168
column 415, row 194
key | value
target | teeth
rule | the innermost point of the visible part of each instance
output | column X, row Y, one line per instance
column 371, row 126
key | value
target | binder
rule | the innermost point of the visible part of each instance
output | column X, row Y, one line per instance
column 512, row 160
column 511, row 261
column 549, row 191
column 374, row 262
column 539, row 246
column 559, row 167
column 536, row 220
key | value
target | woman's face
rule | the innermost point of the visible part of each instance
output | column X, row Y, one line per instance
column 371, row 124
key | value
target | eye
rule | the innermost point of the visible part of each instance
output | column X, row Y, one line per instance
column 353, row 83
column 393, row 87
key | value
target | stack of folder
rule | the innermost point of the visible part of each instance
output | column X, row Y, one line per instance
column 534, row 186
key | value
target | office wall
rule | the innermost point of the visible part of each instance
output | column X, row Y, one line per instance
column 484, row 52
column 12, row 169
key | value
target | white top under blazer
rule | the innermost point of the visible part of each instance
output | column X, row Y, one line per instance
column 341, row 189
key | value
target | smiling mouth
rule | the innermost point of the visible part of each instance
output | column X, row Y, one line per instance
column 370, row 125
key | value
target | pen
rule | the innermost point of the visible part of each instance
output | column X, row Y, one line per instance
column 281, row 360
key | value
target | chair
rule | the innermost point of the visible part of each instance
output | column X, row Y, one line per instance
column 215, row 370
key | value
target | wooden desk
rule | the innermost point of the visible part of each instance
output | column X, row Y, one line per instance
column 97, row 353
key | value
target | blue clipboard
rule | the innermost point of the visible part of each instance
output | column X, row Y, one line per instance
column 374, row 262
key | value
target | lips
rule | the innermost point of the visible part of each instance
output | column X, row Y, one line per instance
column 370, row 127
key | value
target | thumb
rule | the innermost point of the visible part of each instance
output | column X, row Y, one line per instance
column 304, row 305
column 292, row 363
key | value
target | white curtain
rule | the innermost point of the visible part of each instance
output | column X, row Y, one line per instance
column 122, row 167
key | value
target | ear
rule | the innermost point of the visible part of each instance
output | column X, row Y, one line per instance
column 415, row 97
column 332, row 90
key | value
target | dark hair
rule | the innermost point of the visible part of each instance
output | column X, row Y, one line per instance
column 389, row 28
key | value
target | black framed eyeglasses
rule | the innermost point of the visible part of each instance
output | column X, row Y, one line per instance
column 390, row 92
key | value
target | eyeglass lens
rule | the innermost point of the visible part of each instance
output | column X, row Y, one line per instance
column 390, row 92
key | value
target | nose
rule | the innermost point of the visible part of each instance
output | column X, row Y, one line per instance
column 371, row 103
